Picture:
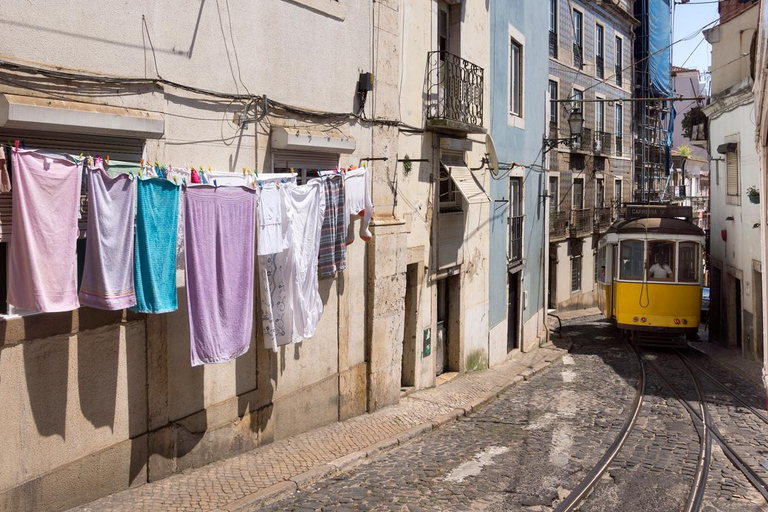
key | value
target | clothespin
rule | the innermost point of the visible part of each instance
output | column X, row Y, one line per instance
column 16, row 145
column 215, row 184
column 293, row 172
column 23, row 145
column 107, row 159
column 244, row 172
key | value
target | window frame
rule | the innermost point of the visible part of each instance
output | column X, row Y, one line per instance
column 696, row 262
column 578, row 30
column 516, row 77
column 554, row 193
column 553, row 109
column 578, row 103
column 599, row 41
column 599, row 187
column 728, row 190
column 599, row 114
column 573, row 193
column 618, row 56
column 621, row 270
column 672, row 264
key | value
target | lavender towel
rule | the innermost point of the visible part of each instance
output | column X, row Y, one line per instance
column 108, row 271
column 42, row 267
column 219, row 251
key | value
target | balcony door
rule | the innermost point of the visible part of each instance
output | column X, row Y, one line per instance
column 515, row 220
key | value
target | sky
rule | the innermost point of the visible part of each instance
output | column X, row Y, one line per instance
column 688, row 19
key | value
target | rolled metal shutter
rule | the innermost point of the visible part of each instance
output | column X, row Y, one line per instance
column 73, row 144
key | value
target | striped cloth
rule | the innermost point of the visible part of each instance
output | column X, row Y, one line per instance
column 333, row 246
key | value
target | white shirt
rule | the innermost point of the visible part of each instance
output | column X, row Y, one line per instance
column 660, row 271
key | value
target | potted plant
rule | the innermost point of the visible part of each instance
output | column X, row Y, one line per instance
column 754, row 195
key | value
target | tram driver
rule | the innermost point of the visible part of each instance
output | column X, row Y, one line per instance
column 660, row 269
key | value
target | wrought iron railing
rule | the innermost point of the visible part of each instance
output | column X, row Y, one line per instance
column 553, row 43
column 581, row 222
column 619, row 145
column 618, row 73
column 558, row 225
column 578, row 56
column 600, row 65
column 602, row 143
column 454, row 89
column 603, row 219
column 516, row 239
column 584, row 142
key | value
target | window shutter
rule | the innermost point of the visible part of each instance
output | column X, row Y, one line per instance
column 124, row 149
column 285, row 159
column 732, row 173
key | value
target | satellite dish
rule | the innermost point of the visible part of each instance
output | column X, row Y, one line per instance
column 493, row 159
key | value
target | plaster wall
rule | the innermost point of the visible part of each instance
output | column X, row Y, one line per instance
column 732, row 42
column 116, row 403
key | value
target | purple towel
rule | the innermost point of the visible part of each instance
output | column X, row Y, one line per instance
column 219, row 250
column 108, row 271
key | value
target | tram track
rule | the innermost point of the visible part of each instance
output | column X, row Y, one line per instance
column 704, row 422
column 587, row 485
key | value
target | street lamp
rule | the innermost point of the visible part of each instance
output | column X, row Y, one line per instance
column 575, row 124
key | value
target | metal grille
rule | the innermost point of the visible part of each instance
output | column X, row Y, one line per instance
column 454, row 89
column 603, row 142
column 553, row 44
column 578, row 59
column 600, row 64
column 732, row 173
column 575, row 273
column 516, row 238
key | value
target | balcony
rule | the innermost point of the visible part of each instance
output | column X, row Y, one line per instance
column 602, row 143
column 578, row 56
column 516, row 239
column 558, row 225
column 618, row 74
column 552, row 44
column 603, row 219
column 454, row 93
column 600, row 65
column 619, row 145
column 581, row 222
column 584, row 142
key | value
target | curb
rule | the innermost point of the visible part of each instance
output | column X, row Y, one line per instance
column 301, row 481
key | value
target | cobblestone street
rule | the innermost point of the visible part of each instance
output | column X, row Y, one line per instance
column 532, row 446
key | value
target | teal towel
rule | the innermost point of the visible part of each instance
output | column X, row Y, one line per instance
column 157, row 217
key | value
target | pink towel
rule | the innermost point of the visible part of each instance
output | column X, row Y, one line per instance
column 42, row 266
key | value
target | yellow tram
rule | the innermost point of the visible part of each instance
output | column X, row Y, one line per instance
column 649, row 273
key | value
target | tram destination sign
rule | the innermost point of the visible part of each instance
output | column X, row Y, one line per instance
column 666, row 211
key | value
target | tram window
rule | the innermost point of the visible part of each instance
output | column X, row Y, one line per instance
column 661, row 258
column 688, row 257
column 631, row 260
column 601, row 275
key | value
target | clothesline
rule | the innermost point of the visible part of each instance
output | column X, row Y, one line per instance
column 133, row 227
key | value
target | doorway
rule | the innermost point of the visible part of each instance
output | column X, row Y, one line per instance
column 715, row 317
column 552, row 299
column 448, row 336
column 513, row 313
column 410, row 327
column 757, row 286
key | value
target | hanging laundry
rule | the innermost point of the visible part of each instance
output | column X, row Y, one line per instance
column 5, row 179
column 195, row 176
column 42, row 268
column 107, row 281
column 157, row 217
column 219, row 251
column 272, row 225
column 290, row 299
column 115, row 168
column 333, row 248
column 358, row 202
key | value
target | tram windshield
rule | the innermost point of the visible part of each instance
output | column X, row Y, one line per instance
column 661, row 258
column 631, row 263
column 689, row 262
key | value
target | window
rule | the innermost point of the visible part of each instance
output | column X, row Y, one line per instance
column 689, row 258
column 442, row 29
column 516, row 219
column 575, row 273
column 619, row 64
column 599, row 193
column 600, row 273
column 732, row 173
column 578, row 193
column 631, row 260
column 450, row 198
column 661, row 258
column 619, row 126
column 516, row 197
column 515, row 78
column 578, row 99
column 552, row 102
column 554, row 194
column 599, row 47
column 578, row 39
column 553, row 28
column 304, row 163
column 617, row 193
column 600, row 116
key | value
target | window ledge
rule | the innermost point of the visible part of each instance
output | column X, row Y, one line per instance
column 516, row 121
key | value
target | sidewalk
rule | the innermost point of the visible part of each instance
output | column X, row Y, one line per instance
column 290, row 464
